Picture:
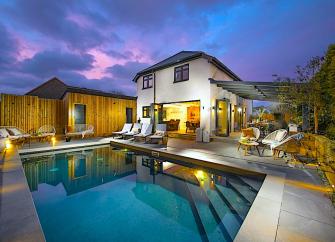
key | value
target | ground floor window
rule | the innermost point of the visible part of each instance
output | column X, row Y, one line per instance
column 182, row 117
column 146, row 112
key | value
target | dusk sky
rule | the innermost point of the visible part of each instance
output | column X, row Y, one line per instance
column 102, row 44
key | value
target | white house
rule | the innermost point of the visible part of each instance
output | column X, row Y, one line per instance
column 180, row 91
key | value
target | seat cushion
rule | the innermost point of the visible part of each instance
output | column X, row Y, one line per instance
column 280, row 136
column 156, row 137
column 267, row 141
column 249, row 132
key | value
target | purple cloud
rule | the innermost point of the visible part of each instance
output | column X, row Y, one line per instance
column 102, row 44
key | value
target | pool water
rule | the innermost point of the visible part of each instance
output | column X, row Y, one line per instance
column 110, row 194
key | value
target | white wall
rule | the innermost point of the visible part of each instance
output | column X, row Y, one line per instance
column 196, row 88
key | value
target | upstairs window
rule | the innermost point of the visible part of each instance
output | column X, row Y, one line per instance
column 146, row 112
column 181, row 73
column 147, row 81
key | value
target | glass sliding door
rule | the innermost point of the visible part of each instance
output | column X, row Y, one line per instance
column 222, row 117
column 129, row 115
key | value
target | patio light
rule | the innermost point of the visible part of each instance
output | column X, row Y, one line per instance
column 8, row 144
column 53, row 140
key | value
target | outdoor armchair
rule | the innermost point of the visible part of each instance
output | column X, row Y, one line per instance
column 289, row 145
column 251, row 133
column 273, row 138
column 46, row 131
column 79, row 130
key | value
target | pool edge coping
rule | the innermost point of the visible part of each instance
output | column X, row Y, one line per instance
column 13, row 159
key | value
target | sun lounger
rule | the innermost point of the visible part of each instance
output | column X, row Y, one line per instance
column 159, row 135
column 79, row 130
column 126, row 128
column 145, row 132
column 135, row 130
column 14, row 134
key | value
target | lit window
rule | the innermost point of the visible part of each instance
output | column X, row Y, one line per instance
column 147, row 81
column 181, row 73
column 146, row 112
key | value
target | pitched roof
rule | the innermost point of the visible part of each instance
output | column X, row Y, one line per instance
column 184, row 56
column 56, row 89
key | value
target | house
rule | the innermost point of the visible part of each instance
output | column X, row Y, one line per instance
column 180, row 92
column 60, row 105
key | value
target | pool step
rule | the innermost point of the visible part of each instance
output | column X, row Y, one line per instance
column 229, row 218
column 247, row 193
column 255, row 184
column 210, row 219
column 234, row 201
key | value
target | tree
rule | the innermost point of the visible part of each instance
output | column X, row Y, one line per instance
column 327, row 74
column 314, row 86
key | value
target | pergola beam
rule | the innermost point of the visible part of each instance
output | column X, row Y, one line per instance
column 253, row 90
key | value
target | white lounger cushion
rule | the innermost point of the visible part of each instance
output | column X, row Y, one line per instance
column 126, row 128
column 134, row 130
column 15, row 131
column 145, row 131
column 160, row 132
column 4, row 133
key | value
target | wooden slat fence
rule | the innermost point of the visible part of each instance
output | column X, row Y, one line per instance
column 30, row 112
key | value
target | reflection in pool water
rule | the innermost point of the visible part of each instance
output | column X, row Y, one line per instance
column 108, row 194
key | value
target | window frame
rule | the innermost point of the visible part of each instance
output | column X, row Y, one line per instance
column 143, row 108
column 182, row 68
column 146, row 79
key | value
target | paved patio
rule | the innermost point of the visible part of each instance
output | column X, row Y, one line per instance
column 306, row 213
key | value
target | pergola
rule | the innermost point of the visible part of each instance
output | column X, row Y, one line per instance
column 264, row 91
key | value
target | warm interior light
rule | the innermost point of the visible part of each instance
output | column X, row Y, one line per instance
column 53, row 139
column 8, row 144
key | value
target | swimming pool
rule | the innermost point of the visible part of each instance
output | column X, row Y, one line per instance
column 111, row 194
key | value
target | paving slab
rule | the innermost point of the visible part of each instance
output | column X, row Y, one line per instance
column 293, row 228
